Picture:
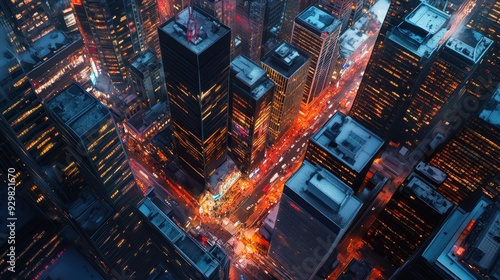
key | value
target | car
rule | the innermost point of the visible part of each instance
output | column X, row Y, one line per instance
column 281, row 159
column 293, row 145
column 294, row 158
column 303, row 145
column 298, row 150
column 283, row 166
column 250, row 206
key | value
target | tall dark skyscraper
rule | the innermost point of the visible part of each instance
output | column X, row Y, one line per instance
column 250, row 97
column 315, row 210
column 399, row 55
column 345, row 148
column 249, row 26
column 197, row 76
column 341, row 10
column 286, row 66
column 272, row 19
column 25, row 22
column 110, row 33
column 447, row 73
column 316, row 33
column 470, row 157
column 90, row 130
column 411, row 215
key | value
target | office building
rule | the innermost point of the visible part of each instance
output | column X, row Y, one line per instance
column 197, row 75
column 249, row 26
column 145, row 124
column 148, row 78
column 455, row 62
column 111, row 37
column 25, row 23
column 470, row 157
column 345, row 148
column 91, row 132
column 341, row 10
column 292, row 9
column 250, row 97
column 409, row 217
column 315, row 210
column 464, row 247
column 316, row 33
column 148, row 20
column 184, row 256
column 394, row 68
column 287, row 67
column 272, row 20
column 67, row 65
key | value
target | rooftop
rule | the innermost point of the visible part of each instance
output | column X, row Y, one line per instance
column 469, row 44
column 431, row 172
column 350, row 41
column 70, row 264
column 491, row 110
column 143, row 60
column 325, row 192
column 318, row 20
column 444, row 248
column 145, row 118
column 428, row 195
column 285, row 59
column 77, row 108
column 422, row 30
column 193, row 252
column 248, row 71
column 48, row 43
column 348, row 141
column 209, row 30
column 89, row 212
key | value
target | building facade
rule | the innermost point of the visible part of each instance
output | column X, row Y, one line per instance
column 249, row 26
column 287, row 67
column 250, row 96
column 197, row 75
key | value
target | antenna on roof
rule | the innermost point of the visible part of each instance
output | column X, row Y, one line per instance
column 192, row 25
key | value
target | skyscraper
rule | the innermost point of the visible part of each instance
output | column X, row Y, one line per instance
column 287, row 67
column 272, row 19
column 147, row 21
column 345, row 148
column 399, row 55
column 148, row 77
column 197, row 73
column 470, row 157
column 250, row 96
column 448, row 72
column 292, row 9
column 110, row 33
column 409, row 217
column 315, row 210
column 249, row 26
column 316, row 33
column 90, row 130
column 340, row 9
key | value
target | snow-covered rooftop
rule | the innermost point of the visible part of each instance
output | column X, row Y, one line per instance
column 325, row 192
column 143, row 60
column 318, row 19
column 248, row 71
column 445, row 244
column 209, row 30
column 422, row 30
column 77, row 108
column 469, row 44
column 428, row 195
column 491, row 110
column 348, row 141
column 380, row 8
column 48, row 43
column 192, row 251
column 434, row 174
column 350, row 41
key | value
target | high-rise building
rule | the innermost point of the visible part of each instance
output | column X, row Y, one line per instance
column 341, row 10
column 470, row 157
column 315, row 210
column 292, row 9
column 316, row 33
column 249, row 26
column 396, row 65
column 455, row 62
column 91, row 132
column 147, row 21
column 197, row 75
column 464, row 247
column 25, row 22
column 181, row 254
column 148, row 77
column 250, row 97
column 287, row 67
column 272, row 20
column 409, row 217
column 110, row 33
column 345, row 148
